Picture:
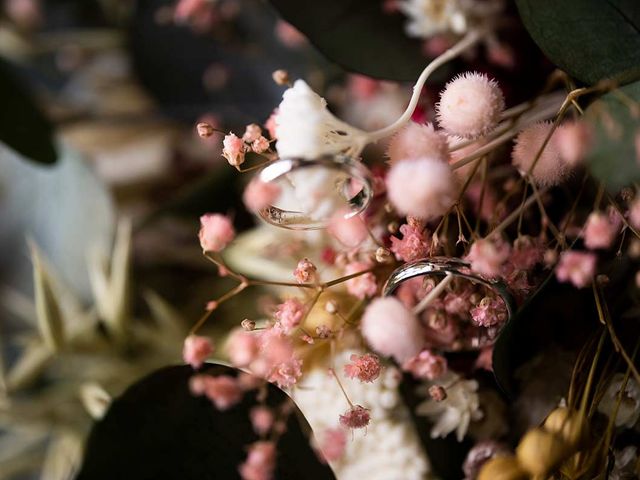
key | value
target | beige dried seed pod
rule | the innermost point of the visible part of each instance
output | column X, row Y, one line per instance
column 540, row 451
column 502, row 468
column 571, row 425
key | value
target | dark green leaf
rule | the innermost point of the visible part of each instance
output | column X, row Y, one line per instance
column 357, row 35
column 589, row 39
column 615, row 121
column 158, row 430
column 23, row 127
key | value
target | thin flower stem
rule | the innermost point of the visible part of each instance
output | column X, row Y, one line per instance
column 614, row 204
column 230, row 294
column 556, row 233
column 281, row 284
column 514, row 215
column 592, row 371
column 345, row 278
column 344, row 392
column 467, row 41
column 433, row 294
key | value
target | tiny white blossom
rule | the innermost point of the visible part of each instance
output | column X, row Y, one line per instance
column 306, row 129
column 456, row 411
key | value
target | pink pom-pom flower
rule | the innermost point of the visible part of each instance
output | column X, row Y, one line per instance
column 470, row 105
column 356, row 417
column 391, row 329
column 576, row 267
column 418, row 140
column 196, row 350
column 216, row 231
column 424, row 188
column 550, row 169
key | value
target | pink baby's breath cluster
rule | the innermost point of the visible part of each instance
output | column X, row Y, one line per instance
column 305, row 271
column 489, row 312
column 576, row 267
column 356, row 417
column 259, row 195
column 361, row 286
column 415, row 243
column 196, row 350
column 289, row 314
column 488, row 256
column 365, row 368
column 216, row 232
column 223, row 391
column 260, row 463
column 426, row 365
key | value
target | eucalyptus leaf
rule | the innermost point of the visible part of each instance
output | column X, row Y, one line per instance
column 589, row 39
column 614, row 157
column 358, row 35
column 22, row 125
column 65, row 209
column 158, row 429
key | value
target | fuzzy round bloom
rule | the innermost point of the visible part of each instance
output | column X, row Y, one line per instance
column 242, row 347
column 599, row 231
column 216, row 231
column 259, row 195
column 196, row 350
column 470, row 105
column 576, row 267
column 426, row 365
column 488, row 255
column 363, row 286
column 233, row 150
column 260, row 463
column 489, row 312
column 260, row 145
column 414, row 245
column 289, row 314
column 424, row 188
column 333, row 442
column 351, row 231
column 391, row 329
column 365, row 368
column 261, row 419
column 573, row 140
column 418, row 140
column 305, row 271
column 356, row 417
column 550, row 169
column 251, row 133
column 223, row 391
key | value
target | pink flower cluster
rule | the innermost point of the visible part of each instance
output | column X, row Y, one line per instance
column 216, row 231
column 260, row 463
column 306, row 271
column 223, row 391
column 363, row 286
column 490, row 312
column 196, row 350
column 289, row 314
column 259, row 195
column 365, row 368
column 414, row 245
column 235, row 148
column 426, row 365
column 332, row 444
column 488, row 256
column 576, row 267
column 356, row 417
column 600, row 230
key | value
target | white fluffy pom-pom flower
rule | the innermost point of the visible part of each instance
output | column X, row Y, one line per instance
column 391, row 329
column 418, row 140
column 470, row 105
column 423, row 187
column 306, row 129
column 550, row 169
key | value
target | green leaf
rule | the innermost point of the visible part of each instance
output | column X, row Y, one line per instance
column 357, row 35
column 158, row 429
column 589, row 39
column 615, row 122
column 23, row 127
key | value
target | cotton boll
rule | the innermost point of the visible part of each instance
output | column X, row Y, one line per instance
column 470, row 105
column 423, row 188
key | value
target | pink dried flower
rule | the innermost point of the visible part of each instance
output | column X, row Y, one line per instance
column 424, row 188
column 251, row 133
column 599, row 231
column 391, row 329
column 365, row 368
column 356, row 417
column 573, row 140
column 242, row 347
column 576, row 267
column 260, row 145
column 418, row 140
column 488, row 255
column 306, row 271
column 271, row 125
column 196, row 350
column 470, row 105
column 426, row 365
column 223, row 391
column 333, row 444
column 414, row 245
column 216, row 231
column 526, row 253
column 261, row 419
column 286, row 374
column 363, row 286
column 489, row 312
column 289, row 314
column 259, row 195
column 550, row 169
column 233, row 150
column 260, row 463
column 350, row 231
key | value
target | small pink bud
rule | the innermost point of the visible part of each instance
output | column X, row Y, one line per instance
column 196, row 350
